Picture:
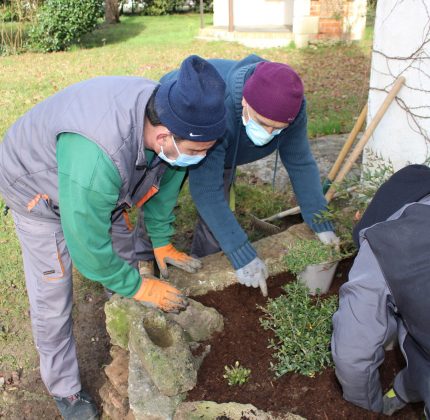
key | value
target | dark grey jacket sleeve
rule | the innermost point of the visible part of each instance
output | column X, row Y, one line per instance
column 361, row 327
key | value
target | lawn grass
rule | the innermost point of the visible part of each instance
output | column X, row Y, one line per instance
column 336, row 82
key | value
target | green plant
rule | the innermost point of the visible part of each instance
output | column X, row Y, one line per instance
column 15, row 17
column 305, row 252
column 7, row 14
column 236, row 375
column 163, row 7
column 61, row 22
column 157, row 7
column 302, row 328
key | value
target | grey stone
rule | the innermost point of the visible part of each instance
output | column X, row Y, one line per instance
column 217, row 273
column 164, row 351
column 146, row 401
column 209, row 410
column 200, row 352
column 119, row 312
column 117, row 370
column 114, row 404
column 198, row 321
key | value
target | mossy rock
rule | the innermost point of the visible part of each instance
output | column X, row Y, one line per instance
column 164, row 351
column 119, row 313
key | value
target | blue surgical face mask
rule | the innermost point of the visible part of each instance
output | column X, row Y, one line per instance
column 182, row 159
column 258, row 135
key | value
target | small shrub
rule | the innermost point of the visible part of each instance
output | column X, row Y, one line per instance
column 236, row 375
column 61, row 22
column 15, row 18
column 157, row 7
column 7, row 14
column 309, row 251
column 302, row 328
column 163, row 7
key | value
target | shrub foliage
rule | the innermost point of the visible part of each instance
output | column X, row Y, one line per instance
column 163, row 7
column 302, row 327
column 61, row 22
column 306, row 252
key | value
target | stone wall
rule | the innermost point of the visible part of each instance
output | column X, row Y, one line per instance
column 155, row 357
column 339, row 19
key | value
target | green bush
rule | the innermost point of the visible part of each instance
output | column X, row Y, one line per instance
column 158, row 7
column 7, row 14
column 306, row 252
column 163, row 7
column 302, row 328
column 61, row 22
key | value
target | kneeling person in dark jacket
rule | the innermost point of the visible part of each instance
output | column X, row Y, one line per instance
column 387, row 297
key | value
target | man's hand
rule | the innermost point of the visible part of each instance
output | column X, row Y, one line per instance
column 168, row 254
column 328, row 238
column 162, row 295
column 254, row 274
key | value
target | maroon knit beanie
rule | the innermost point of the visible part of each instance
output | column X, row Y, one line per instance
column 275, row 91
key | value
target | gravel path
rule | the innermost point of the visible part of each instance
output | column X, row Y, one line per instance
column 325, row 150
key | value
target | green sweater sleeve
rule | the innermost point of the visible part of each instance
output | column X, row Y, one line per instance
column 89, row 185
column 158, row 210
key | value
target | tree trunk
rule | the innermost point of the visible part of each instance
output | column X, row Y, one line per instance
column 111, row 11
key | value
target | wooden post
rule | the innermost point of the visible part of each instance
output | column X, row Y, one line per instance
column 366, row 136
column 230, row 16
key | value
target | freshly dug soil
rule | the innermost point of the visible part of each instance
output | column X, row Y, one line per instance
column 243, row 339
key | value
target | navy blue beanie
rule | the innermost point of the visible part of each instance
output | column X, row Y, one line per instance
column 191, row 105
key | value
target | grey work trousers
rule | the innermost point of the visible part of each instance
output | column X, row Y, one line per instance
column 48, row 276
column 363, row 324
column 204, row 242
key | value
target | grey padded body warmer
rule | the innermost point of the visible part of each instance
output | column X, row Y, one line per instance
column 107, row 110
column 402, row 248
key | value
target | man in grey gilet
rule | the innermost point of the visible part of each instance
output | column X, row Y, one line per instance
column 386, row 298
column 71, row 167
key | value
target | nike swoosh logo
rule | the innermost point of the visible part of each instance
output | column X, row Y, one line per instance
column 195, row 135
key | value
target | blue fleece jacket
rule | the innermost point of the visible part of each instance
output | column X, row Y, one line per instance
column 235, row 148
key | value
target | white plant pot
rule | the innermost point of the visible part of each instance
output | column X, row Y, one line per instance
column 318, row 276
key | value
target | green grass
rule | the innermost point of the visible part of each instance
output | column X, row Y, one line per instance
column 14, row 319
column 335, row 78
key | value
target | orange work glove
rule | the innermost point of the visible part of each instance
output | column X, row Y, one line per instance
column 168, row 254
column 160, row 294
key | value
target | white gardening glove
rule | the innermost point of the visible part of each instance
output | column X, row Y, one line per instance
column 328, row 238
column 254, row 274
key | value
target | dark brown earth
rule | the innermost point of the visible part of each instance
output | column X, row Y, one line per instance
column 244, row 340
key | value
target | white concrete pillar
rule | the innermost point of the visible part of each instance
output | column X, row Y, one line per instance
column 401, row 47
column 303, row 23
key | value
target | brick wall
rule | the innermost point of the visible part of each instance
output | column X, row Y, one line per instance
column 331, row 14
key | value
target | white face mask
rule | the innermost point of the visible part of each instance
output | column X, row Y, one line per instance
column 258, row 135
column 182, row 159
